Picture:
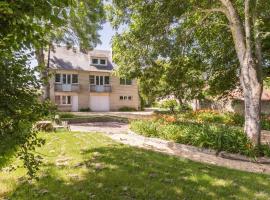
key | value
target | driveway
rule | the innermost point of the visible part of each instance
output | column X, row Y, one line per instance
column 129, row 115
column 105, row 127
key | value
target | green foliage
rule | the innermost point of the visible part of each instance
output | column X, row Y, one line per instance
column 20, row 108
column 63, row 115
column 85, row 110
column 127, row 109
column 29, row 25
column 170, row 104
column 217, row 137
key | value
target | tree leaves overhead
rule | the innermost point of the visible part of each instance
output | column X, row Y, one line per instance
column 167, row 30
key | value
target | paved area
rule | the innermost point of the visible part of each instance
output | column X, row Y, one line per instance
column 130, row 115
column 120, row 133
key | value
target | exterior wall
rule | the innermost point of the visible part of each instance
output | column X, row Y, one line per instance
column 124, row 90
column 84, row 93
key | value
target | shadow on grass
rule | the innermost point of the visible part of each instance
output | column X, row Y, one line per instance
column 119, row 172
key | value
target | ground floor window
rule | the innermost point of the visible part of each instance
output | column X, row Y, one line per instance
column 63, row 100
column 125, row 98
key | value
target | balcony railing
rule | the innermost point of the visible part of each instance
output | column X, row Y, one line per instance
column 100, row 88
column 74, row 87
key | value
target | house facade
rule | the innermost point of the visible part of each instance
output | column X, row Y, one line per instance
column 86, row 81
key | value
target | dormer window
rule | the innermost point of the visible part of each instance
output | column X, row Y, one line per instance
column 99, row 61
column 95, row 61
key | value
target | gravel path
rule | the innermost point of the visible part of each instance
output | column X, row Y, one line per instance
column 119, row 132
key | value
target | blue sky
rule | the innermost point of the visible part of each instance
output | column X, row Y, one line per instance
column 106, row 35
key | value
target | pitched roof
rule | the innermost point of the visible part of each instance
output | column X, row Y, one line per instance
column 68, row 59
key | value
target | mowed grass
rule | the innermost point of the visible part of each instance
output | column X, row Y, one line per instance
column 91, row 166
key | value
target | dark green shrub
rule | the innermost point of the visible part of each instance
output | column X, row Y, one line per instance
column 126, row 109
column 66, row 115
column 85, row 110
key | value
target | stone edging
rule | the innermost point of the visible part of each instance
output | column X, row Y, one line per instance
column 222, row 154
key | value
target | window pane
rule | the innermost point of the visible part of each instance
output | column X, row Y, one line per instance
column 129, row 97
column 121, row 98
column 97, row 80
column 57, row 78
column 68, row 78
column 74, row 78
column 101, row 80
column 107, row 80
column 57, row 100
column 95, row 61
column 64, row 78
column 125, row 97
column 68, row 99
column 122, row 81
column 92, row 80
column 102, row 61
column 128, row 82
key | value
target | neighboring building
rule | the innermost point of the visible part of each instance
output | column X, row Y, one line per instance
column 85, row 81
column 233, row 103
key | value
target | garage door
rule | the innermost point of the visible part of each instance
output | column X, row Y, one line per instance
column 100, row 103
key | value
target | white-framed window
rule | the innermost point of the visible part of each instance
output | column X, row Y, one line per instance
column 99, row 61
column 66, row 78
column 62, row 100
column 57, row 78
column 66, row 100
column 92, row 79
column 125, row 81
column 99, row 80
column 125, row 98
column 75, row 78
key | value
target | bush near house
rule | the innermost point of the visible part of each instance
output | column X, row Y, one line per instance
column 212, row 136
column 170, row 104
column 126, row 109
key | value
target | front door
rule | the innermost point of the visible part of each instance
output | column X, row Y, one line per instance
column 66, row 82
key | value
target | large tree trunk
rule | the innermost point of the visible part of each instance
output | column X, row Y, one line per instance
column 44, row 75
column 252, row 89
column 248, row 48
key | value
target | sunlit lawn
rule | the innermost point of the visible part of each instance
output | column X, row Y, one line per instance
column 91, row 166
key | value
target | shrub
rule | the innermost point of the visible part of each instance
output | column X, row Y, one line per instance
column 66, row 115
column 184, row 108
column 217, row 137
column 126, row 109
column 170, row 104
column 85, row 110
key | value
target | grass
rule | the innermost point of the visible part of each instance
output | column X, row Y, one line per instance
column 95, row 167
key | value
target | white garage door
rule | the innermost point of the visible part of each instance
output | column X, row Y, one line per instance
column 99, row 103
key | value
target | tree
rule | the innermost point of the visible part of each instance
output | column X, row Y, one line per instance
column 24, row 26
column 242, row 24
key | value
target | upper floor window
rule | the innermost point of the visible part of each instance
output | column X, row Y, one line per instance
column 125, row 81
column 58, row 78
column 75, row 78
column 95, row 61
column 99, row 61
column 66, row 78
column 99, row 80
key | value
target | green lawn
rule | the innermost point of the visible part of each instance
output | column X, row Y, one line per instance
column 91, row 166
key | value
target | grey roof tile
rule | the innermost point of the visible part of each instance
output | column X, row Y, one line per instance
column 68, row 59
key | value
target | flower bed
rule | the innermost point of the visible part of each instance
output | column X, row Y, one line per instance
column 212, row 136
